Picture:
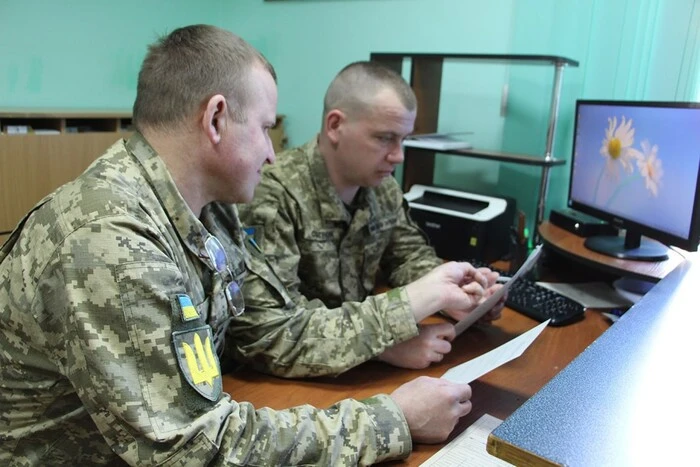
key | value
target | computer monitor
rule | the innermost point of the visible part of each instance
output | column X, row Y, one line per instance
column 637, row 165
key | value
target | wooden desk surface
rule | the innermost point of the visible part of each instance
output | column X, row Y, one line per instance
column 571, row 246
column 498, row 393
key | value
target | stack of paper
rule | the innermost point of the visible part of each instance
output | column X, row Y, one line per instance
column 469, row 448
column 437, row 141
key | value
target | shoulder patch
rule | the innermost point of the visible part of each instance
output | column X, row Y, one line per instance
column 187, row 309
column 198, row 361
column 253, row 238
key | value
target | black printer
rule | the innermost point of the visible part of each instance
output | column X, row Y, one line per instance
column 462, row 225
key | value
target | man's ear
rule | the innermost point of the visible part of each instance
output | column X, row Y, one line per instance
column 214, row 118
column 333, row 121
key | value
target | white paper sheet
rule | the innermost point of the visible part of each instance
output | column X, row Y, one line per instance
column 590, row 294
column 489, row 303
column 479, row 366
column 437, row 141
column 469, row 448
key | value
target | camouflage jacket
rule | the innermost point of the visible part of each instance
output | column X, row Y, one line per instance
column 110, row 313
column 317, row 315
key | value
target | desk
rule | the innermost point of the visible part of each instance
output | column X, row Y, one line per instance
column 571, row 246
column 629, row 399
column 498, row 393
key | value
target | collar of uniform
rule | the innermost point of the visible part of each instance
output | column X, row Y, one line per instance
column 370, row 200
column 189, row 228
column 332, row 207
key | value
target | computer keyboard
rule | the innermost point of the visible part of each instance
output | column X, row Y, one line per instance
column 541, row 304
column 537, row 302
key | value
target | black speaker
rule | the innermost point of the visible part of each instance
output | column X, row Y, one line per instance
column 579, row 223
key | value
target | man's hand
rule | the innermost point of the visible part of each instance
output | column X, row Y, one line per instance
column 494, row 313
column 432, row 407
column 491, row 276
column 430, row 345
column 451, row 285
column 491, row 288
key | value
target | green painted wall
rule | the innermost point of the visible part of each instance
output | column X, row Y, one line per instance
column 627, row 49
column 80, row 53
column 86, row 54
column 309, row 41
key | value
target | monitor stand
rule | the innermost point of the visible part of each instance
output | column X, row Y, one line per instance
column 571, row 246
column 631, row 247
column 632, row 288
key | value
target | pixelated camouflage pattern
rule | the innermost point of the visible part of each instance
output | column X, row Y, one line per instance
column 316, row 315
column 88, row 308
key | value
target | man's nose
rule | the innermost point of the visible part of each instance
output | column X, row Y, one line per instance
column 396, row 154
column 271, row 156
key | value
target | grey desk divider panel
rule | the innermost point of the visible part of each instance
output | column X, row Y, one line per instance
column 629, row 399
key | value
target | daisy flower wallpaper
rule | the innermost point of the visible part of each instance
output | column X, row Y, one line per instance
column 639, row 162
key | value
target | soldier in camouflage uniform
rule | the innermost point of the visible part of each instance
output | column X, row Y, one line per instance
column 116, row 290
column 327, row 218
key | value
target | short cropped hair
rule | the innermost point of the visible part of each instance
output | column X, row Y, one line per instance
column 186, row 68
column 354, row 87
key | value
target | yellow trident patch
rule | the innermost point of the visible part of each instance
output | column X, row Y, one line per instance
column 198, row 361
column 209, row 369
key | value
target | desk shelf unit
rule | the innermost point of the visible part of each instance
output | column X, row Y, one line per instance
column 426, row 81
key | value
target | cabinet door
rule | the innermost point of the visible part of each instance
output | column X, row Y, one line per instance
column 35, row 165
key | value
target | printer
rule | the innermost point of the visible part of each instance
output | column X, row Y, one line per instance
column 462, row 225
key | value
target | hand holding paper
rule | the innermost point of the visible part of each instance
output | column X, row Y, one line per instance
column 489, row 303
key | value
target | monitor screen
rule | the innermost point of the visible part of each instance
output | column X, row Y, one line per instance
column 636, row 164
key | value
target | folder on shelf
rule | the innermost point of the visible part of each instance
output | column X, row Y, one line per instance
column 438, row 141
column 17, row 129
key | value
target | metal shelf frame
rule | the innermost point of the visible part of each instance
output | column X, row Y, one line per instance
column 426, row 80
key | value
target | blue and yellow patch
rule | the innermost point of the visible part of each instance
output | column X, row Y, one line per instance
column 187, row 309
column 253, row 236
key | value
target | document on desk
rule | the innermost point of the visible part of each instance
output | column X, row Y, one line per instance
column 475, row 368
column 469, row 448
column 590, row 294
column 489, row 303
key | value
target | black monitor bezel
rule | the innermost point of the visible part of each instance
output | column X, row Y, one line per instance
column 693, row 240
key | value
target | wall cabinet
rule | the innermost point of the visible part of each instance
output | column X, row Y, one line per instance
column 41, row 150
